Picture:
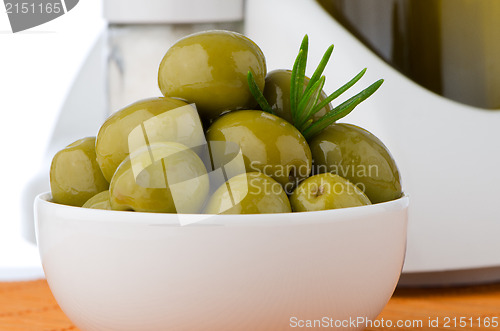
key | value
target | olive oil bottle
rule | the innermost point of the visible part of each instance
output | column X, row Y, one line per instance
column 451, row 47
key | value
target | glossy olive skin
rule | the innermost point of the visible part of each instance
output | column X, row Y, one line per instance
column 99, row 201
column 162, row 119
column 164, row 177
column 210, row 69
column 269, row 144
column 360, row 157
column 326, row 191
column 75, row 175
column 277, row 94
column 250, row 193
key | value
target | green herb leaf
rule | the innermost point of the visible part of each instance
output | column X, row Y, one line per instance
column 297, row 79
column 321, row 67
column 301, row 70
column 257, row 94
column 293, row 86
column 306, row 125
column 295, row 93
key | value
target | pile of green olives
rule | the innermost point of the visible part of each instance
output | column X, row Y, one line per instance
column 206, row 146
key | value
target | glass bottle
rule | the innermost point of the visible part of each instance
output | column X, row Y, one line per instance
column 450, row 47
column 140, row 32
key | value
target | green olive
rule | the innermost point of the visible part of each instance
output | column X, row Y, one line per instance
column 75, row 175
column 146, row 121
column 269, row 144
column 249, row 193
column 210, row 69
column 99, row 201
column 356, row 154
column 327, row 191
column 277, row 94
column 164, row 177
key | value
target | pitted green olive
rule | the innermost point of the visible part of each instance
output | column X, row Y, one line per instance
column 356, row 154
column 327, row 191
column 163, row 177
column 75, row 175
column 99, row 201
column 269, row 144
column 249, row 193
column 146, row 122
column 210, row 70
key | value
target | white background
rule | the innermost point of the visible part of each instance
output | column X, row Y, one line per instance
column 37, row 67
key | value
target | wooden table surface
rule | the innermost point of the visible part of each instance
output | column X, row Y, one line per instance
column 30, row 306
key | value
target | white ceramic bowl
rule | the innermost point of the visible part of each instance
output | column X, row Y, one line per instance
column 111, row 270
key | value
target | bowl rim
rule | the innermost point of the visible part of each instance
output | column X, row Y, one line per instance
column 42, row 200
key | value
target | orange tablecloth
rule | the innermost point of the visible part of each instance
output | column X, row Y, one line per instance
column 30, row 306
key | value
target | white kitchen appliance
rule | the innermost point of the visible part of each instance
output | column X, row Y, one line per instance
column 448, row 152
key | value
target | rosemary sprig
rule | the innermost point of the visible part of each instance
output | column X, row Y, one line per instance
column 300, row 74
column 294, row 93
column 304, row 102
